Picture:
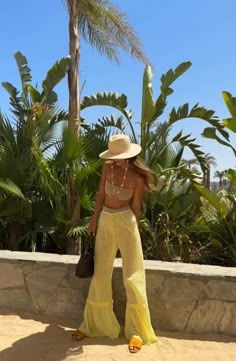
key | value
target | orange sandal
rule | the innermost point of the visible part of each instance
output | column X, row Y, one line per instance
column 135, row 345
column 78, row 335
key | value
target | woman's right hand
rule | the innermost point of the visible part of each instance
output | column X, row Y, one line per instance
column 91, row 229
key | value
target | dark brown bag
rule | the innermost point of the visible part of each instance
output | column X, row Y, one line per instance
column 85, row 265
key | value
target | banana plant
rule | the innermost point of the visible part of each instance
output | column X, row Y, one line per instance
column 154, row 132
column 31, row 103
column 153, row 109
column 215, row 227
column 230, row 102
column 229, row 123
column 152, row 129
column 168, row 213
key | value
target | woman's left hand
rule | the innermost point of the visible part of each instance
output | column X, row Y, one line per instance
column 91, row 229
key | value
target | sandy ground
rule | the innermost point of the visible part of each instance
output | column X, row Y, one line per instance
column 26, row 337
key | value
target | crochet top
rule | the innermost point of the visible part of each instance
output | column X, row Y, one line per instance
column 116, row 192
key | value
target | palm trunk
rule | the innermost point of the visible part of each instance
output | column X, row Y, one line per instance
column 208, row 178
column 220, row 182
column 14, row 236
column 73, row 74
column 73, row 212
column 204, row 181
column 73, row 204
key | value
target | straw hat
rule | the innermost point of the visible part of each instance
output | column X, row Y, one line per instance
column 119, row 147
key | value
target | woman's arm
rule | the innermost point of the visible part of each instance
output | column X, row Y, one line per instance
column 137, row 198
column 99, row 200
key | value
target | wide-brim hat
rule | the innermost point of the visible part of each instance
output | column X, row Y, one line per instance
column 120, row 147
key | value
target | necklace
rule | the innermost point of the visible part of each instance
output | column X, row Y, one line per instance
column 117, row 191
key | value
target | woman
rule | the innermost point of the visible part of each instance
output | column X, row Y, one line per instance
column 123, row 181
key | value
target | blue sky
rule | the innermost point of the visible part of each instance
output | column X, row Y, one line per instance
column 200, row 31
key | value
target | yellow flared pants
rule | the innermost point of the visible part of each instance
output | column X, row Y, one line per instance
column 118, row 230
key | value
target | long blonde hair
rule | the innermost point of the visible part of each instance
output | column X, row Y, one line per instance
column 150, row 178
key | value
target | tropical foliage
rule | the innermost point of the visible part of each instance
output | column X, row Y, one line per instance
column 49, row 175
column 35, row 117
column 172, row 208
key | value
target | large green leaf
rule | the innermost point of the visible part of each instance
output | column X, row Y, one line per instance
column 171, row 75
column 182, row 68
column 231, row 174
column 200, row 112
column 35, row 94
column 211, row 134
column 57, row 72
column 152, row 111
column 148, row 103
column 213, row 199
column 11, row 90
column 183, row 202
column 230, row 123
column 187, row 141
column 24, row 70
column 25, row 75
column 111, row 99
column 196, row 112
column 230, row 102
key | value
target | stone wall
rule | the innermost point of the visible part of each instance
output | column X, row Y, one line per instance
column 182, row 297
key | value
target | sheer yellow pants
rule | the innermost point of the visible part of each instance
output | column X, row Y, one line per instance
column 118, row 230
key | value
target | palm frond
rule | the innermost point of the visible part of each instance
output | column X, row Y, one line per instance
column 81, row 229
column 112, row 27
column 49, row 180
column 7, row 135
column 8, row 186
column 87, row 169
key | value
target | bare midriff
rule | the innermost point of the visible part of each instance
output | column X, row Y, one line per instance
column 115, row 203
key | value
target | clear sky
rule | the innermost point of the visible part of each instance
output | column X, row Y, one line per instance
column 201, row 31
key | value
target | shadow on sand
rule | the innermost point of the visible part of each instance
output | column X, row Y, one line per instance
column 53, row 344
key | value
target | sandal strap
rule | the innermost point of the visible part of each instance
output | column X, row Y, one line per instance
column 78, row 334
column 135, row 342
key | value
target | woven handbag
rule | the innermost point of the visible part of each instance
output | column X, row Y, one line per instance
column 85, row 265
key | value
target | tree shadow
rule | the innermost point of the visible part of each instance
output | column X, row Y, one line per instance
column 53, row 344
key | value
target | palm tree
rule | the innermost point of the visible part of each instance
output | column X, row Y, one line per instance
column 220, row 175
column 210, row 161
column 189, row 162
column 103, row 26
column 35, row 118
